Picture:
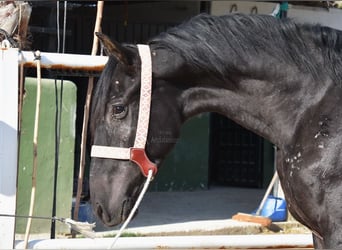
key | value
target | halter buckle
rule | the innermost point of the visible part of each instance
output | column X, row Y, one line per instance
column 138, row 156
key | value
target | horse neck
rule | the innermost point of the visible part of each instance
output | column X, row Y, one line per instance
column 244, row 109
column 272, row 107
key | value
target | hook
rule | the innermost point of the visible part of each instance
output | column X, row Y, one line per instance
column 10, row 42
column 254, row 10
column 233, row 8
column 5, row 44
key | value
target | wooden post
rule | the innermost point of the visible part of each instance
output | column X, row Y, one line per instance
column 8, row 144
column 97, row 28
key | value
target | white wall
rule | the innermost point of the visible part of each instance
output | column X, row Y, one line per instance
column 224, row 7
column 331, row 17
column 8, row 143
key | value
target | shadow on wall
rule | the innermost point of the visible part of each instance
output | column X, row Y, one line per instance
column 8, row 156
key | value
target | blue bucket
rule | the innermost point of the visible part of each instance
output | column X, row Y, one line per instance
column 274, row 208
column 85, row 213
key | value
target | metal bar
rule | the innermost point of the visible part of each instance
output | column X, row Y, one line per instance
column 65, row 62
column 33, row 217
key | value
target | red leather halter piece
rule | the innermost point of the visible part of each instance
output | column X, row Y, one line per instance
column 136, row 153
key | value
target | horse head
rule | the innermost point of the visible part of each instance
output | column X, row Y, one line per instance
column 115, row 184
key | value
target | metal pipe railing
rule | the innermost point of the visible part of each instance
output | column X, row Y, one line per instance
column 64, row 62
column 181, row 242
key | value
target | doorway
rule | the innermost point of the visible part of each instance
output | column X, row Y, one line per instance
column 236, row 154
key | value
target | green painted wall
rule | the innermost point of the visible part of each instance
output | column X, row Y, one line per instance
column 186, row 167
column 46, row 155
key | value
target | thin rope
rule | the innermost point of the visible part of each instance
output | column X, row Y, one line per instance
column 35, row 148
column 64, row 25
column 134, row 209
column 57, row 23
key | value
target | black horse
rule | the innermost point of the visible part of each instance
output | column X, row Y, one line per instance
column 280, row 79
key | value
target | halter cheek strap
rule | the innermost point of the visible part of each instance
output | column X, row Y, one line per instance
column 136, row 153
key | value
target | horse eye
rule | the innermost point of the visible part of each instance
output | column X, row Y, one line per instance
column 119, row 111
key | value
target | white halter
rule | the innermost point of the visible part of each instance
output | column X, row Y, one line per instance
column 137, row 152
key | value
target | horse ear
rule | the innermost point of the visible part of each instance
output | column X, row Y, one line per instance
column 115, row 49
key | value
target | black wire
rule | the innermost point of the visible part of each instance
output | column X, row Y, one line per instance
column 58, row 118
column 58, row 114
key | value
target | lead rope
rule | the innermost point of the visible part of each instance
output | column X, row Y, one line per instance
column 136, row 205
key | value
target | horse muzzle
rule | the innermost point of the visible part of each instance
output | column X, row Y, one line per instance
column 112, row 218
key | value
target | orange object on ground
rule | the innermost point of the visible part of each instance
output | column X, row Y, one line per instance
column 264, row 221
column 256, row 218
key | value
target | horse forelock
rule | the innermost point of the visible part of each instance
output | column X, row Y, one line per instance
column 208, row 43
column 101, row 93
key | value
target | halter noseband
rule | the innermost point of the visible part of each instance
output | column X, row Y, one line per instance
column 136, row 153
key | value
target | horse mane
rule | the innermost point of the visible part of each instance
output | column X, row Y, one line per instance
column 219, row 45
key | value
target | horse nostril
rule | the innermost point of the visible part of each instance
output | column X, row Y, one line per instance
column 99, row 210
column 101, row 213
column 126, row 208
